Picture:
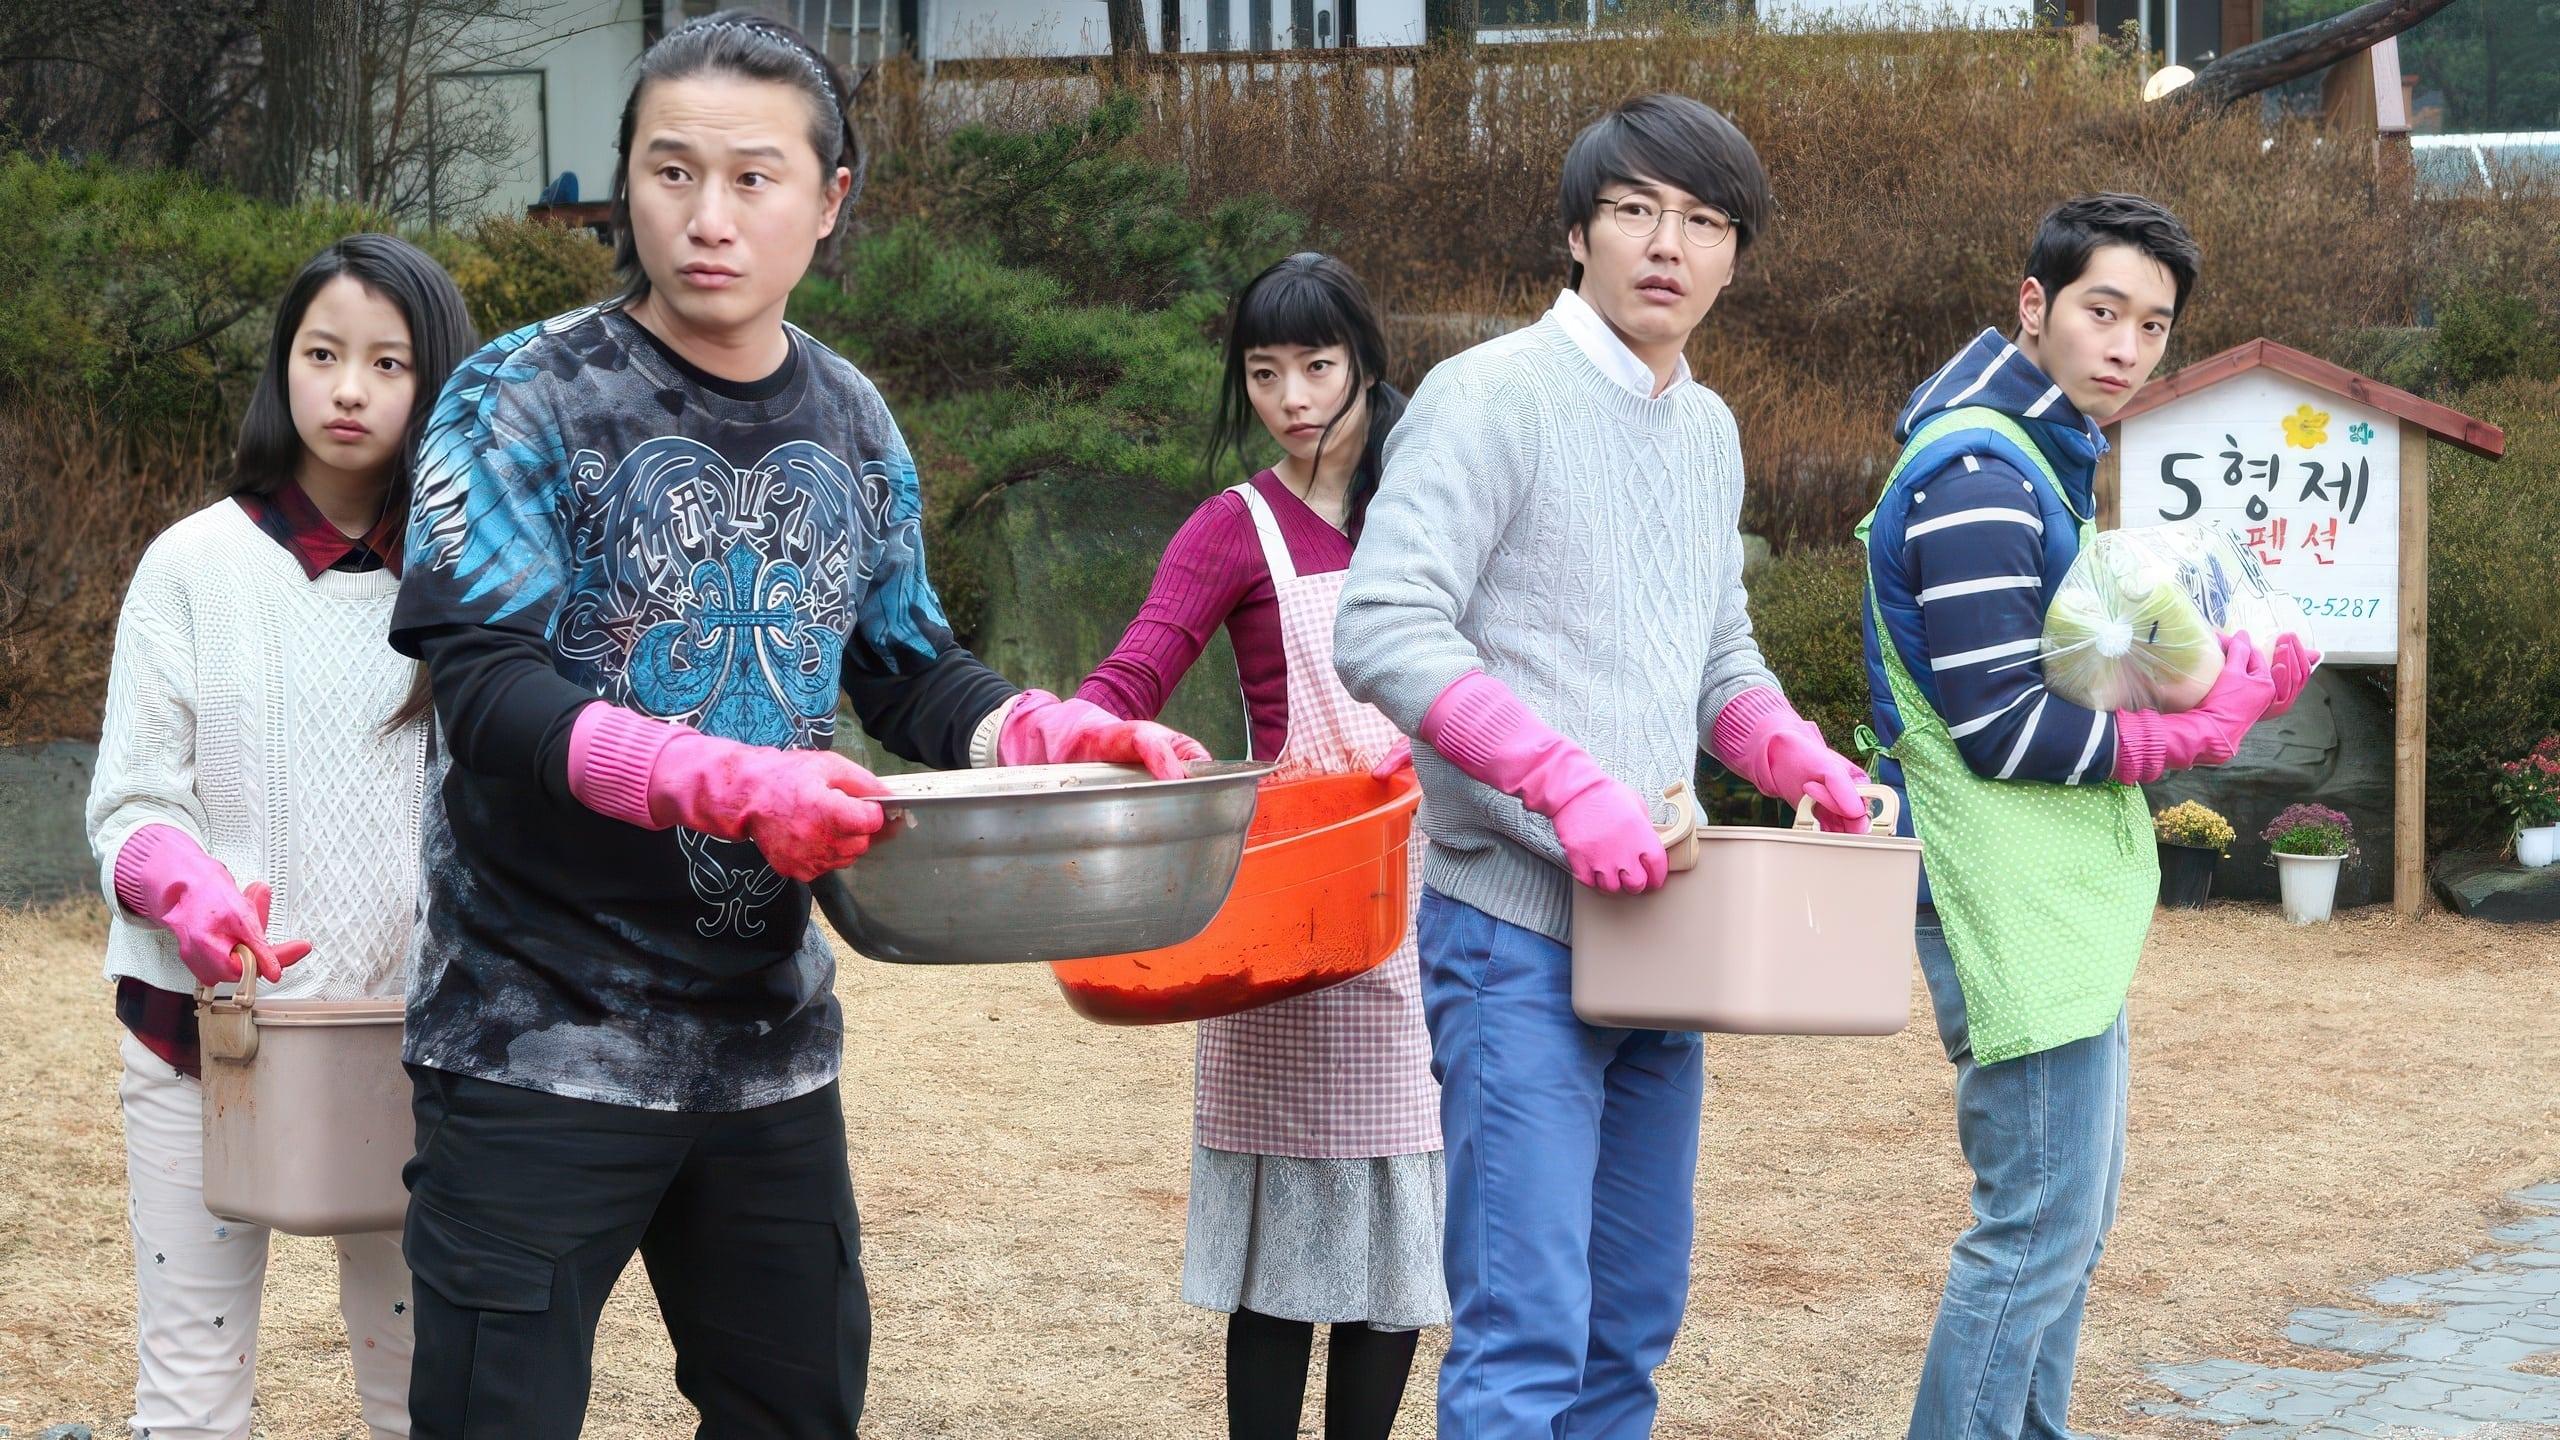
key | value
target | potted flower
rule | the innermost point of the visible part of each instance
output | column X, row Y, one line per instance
column 2529, row 789
column 2311, row 842
column 2192, row 840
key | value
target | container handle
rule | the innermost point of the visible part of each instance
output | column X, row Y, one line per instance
column 230, row 1032
column 1680, row 835
column 1884, row 810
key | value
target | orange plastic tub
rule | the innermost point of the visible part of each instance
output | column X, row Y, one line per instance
column 1322, row 897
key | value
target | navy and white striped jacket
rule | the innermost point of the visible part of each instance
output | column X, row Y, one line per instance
column 1965, row 548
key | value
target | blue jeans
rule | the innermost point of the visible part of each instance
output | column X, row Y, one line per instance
column 2044, row 1134
column 1572, row 1154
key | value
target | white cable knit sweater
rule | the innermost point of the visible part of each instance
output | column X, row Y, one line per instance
column 245, row 708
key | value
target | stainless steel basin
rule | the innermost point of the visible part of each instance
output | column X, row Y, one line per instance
column 1043, row 862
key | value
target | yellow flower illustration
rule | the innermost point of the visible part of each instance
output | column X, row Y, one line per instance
column 2306, row 428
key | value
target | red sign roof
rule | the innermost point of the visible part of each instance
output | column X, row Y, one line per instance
column 2445, row 423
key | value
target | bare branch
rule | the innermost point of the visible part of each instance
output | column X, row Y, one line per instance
column 507, row 57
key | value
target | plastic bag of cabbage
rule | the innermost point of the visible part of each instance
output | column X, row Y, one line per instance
column 2138, row 622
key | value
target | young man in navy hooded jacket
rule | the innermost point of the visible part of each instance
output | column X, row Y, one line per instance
column 1980, row 522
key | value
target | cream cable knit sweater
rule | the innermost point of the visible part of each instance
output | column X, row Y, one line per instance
column 245, row 708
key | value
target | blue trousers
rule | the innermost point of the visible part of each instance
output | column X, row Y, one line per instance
column 1572, row 1154
column 2045, row 1135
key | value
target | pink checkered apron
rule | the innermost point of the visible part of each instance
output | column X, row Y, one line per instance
column 1343, row 1073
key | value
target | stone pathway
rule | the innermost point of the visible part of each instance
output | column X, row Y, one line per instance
column 2483, row 1361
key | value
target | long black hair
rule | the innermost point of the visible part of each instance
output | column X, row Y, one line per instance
column 1313, row 300
column 753, row 47
column 269, row 453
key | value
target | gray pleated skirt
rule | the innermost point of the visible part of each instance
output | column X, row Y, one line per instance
column 1326, row 1241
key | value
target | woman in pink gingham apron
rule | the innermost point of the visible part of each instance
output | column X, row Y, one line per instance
column 1316, row 1179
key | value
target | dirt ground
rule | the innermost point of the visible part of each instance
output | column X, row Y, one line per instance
column 2312, row 1109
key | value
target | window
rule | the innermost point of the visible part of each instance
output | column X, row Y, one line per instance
column 2196, row 26
column 854, row 33
column 867, row 20
column 1221, row 31
column 2114, row 16
column 1531, row 14
column 1259, row 13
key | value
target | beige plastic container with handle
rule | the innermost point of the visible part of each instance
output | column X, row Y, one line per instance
column 306, row 1111
column 1757, row 931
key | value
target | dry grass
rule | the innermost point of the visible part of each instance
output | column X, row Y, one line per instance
column 2312, row 1109
column 79, row 501
column 1909, row 169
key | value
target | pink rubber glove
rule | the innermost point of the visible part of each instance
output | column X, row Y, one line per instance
column 1760, row 737
column 809, row 811
column 1479, row 726
column 2290, row 669
column 1045, row 730
column 2150, row 744
column 1399, row 756
column 165, row 877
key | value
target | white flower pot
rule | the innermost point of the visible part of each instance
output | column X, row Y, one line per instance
column 2536, row 847
column 2309, row 884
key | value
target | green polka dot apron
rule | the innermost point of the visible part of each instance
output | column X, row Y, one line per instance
column 2045, row 890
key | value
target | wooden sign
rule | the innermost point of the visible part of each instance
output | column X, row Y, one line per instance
column 2310, row 485
column 2323, row 474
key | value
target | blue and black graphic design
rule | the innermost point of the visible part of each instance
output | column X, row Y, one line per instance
column 718, row 596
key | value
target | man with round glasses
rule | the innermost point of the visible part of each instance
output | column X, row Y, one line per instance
column 1548, row 597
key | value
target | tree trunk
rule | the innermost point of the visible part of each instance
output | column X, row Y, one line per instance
column 2489, row 58
column 295, row 97
column 2271, row 62
column 1128, row 27
column 1120, row 70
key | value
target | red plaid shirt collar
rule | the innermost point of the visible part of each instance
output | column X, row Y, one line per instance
column 293, row 520
column 164, row 1021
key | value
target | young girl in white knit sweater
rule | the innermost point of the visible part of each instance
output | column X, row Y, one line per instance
column 258, row 778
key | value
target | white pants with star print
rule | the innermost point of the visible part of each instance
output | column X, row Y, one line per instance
column 198, row 1280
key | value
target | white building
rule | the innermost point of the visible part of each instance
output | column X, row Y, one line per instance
column 558, row 75
column 556, row 81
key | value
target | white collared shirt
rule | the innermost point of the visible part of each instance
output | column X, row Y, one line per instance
column 1609, row 352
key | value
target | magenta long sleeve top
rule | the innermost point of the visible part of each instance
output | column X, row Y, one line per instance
column 1213, row 574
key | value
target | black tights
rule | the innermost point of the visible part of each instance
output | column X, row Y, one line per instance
column 1365, row 1372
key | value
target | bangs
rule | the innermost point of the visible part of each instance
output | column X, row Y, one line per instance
column 1294, row 307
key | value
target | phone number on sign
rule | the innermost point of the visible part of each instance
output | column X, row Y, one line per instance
column 2334, row 607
